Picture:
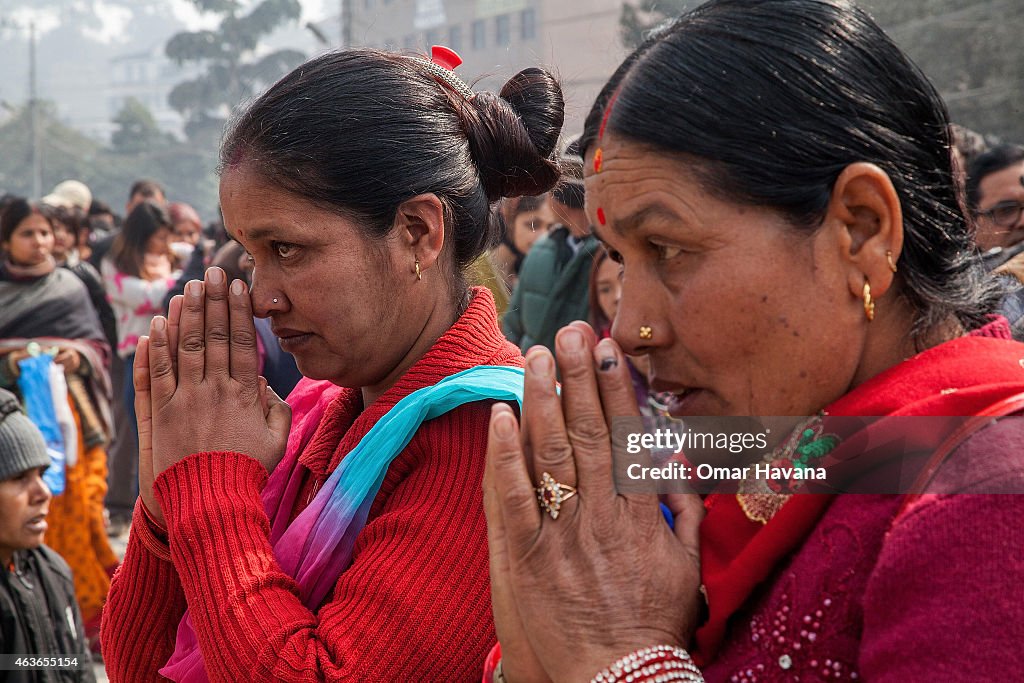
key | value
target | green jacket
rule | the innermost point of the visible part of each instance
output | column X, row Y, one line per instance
column 548, row 297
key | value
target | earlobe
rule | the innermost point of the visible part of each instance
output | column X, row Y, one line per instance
column 867, row 208
column 420, row 225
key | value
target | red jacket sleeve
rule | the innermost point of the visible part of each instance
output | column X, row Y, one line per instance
column 143, row 608
column 414, row 604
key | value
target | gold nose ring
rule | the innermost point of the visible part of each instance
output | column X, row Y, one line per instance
column 646, row 332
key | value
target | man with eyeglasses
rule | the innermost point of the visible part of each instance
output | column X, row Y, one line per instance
column 995, row 193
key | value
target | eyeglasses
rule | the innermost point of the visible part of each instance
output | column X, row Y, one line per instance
column 1004, row 214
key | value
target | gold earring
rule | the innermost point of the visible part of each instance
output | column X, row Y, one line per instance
column 888, row 257
column 419, row 276
column 869, row 305
column 646, row 332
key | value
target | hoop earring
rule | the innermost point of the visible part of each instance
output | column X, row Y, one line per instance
column 888, row 257
column 646, row 332
column 419, row 276
column 869, row 305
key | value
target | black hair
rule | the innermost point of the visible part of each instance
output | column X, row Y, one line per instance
column 98, row 207
column 147, row 189
column 72, row 218
column 15, row 211
column 570, row 191
column 992, row 161
column 360, row 131
column 129, row 247
column 771, row 99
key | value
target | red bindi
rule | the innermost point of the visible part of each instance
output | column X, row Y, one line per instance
column 600, row 215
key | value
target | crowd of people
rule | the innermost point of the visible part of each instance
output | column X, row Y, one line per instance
column 359, row 427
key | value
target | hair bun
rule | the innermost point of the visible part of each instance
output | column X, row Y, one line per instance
column 513, row 136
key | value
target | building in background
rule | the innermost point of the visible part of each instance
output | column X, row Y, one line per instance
column 148, row 77
column 579, row 41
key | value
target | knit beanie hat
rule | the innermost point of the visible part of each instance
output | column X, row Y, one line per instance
column 21, row 445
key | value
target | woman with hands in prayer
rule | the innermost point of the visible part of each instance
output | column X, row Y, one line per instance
column 340, row 536
column 775, row 178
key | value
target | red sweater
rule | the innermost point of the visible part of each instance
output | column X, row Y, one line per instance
column 414, row 604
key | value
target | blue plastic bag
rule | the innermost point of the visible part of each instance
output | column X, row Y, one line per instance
column 34, row 384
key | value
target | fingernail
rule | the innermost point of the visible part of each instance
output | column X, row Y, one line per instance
column 159, row 323
column 236, row 288
column 215, row 276
column 195, row 288
column 605, row 354
column 540, row 363
column 503, row 425
column 571, row 340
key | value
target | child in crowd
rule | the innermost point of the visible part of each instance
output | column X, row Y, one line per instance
column 39, row 618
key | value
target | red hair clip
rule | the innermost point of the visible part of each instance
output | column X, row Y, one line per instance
column 441, row 65
column 445, row 56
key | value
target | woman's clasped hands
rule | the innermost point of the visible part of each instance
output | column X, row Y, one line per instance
column 197, row 384
column 607, row 576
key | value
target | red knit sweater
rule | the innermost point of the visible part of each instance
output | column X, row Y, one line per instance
column 413, row 606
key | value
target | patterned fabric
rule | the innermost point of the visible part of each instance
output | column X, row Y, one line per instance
column 135, row 301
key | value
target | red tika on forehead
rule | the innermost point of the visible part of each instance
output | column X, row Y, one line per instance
column 607, row 113
column 600, row 215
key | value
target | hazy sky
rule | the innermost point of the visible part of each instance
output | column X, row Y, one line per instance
column 115, row 15
column 312, row 10
column 79, row 40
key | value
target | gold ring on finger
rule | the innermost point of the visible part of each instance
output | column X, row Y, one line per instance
column 551, row 494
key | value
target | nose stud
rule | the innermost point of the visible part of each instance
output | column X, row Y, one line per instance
column 646, row 332
column 275, row 301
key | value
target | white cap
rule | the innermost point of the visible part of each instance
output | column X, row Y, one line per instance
column 70, row 193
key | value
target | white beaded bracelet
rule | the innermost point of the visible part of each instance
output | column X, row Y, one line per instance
column 658, row 664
